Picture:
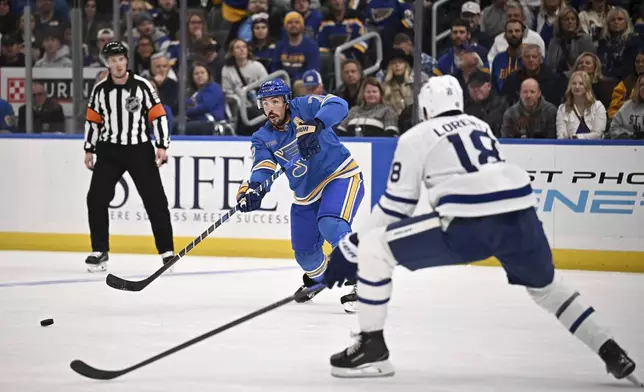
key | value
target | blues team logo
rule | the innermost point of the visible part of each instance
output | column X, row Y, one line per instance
column 132, row 104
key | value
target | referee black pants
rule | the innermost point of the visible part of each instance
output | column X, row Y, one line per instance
column 112, row 161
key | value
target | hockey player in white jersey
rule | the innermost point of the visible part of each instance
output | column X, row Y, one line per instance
column 480, row 206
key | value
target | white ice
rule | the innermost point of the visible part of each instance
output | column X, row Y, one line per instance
column 450, row 329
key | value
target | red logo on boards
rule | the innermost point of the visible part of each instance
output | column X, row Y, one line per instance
column 16, row 90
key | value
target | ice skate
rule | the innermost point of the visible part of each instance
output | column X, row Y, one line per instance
column 350, row 301
column 308, row 282
column 97, row 262
column 166, row 258
column 368, row 357
column 618, row 363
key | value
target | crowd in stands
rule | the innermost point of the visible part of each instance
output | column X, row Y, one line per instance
column 566, row 69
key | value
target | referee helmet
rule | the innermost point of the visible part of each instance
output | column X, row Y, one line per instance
column 114, row 48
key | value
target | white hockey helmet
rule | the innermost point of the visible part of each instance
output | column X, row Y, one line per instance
column 438, row 95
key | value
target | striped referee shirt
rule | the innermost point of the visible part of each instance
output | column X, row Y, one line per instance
column 119, row 114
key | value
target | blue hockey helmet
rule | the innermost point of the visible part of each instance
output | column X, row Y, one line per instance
column 273, row 88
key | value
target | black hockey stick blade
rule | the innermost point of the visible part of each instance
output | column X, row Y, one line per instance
column 88, row 371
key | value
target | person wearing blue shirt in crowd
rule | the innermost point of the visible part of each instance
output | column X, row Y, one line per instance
column 312, row 17
column 296, row 53
column 326, row 181
column 7, row 117
column 262, row 43
column 206, row 106
column 448, row 63
column 509, row 61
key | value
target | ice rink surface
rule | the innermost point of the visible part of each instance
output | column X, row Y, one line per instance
column 450, row 329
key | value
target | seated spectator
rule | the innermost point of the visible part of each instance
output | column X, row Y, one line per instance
column 471, row 12
column 581, row 116
column 399, row 82
column 295, row 54
column 206, row 106
column 46, row 17
column 484, row 102
column 165, row 81
column 515, row 11
column 244, row 28
column 602, row 87
column 469, row 63
column 7, row 19
column 144, row 27
column 36, row 37
column 389, row 16
column 494, row 17
column 341, row 25
column 403, row 42
column 55, row 56
column 167, row 19
column 10, row 54
column 312, row 17
column 201, row 47
column 240, row 70
column 624, row 89
column 94, row 58
column 136, row 7
column 143, row 55
column 551, row 84
column 312, row 83
column 509, row 61
column 592, row 19
column 262, row 43
column 168, row 111
column 48, row 115
column 532, row 117
column 568, row 42
column 628, row 122
column 91, row 23
column 371, row 117
column 351, row 74
column 618, row 46
column 7, row 117
column 460, row 35
column 546, row 18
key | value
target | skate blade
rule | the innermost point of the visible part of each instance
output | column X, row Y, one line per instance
column 102, row 267
column 635, row 380
column 350, row 307
column 375, row 369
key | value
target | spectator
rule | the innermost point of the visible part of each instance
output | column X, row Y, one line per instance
column 532, row 117
column 469, row 63
column 7, row 20
column 262, row 43
column 312, row 83
column 568, row 42
column 36, row 38
column 398, row 83
column 244, row 28
column 295, row 54
column 234, row 11
column 240, row 70
column 403, row 42
column 91, row 22
column 581, row 116
column 484, row 102
column 46, row 17
column 341, row 25
column 167, row 18
column 551, row 84
column 55, row 56
column 207, row 105
column 142, row 56
column 10, row 54
column 351, row 74
column 165, row 80
column 372, row 117
column 592, row 19
column 168, row 111
column 494, row 17
column 48, row 115
column 546, row 18
column 509, row 61
column 136, row 7
column 389, row 17
column 514, row 11
column 448, row 63
column 624, row 89
column 618, row 46
column 628, row 122
column 471, row 12
column 312, row 17
column 144, row 27
column 201, row 47
column 602, row 87
column 94, row 58
column 7, row 117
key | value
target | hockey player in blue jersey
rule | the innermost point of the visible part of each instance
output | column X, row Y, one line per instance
column 477, row 205
column 327, row 181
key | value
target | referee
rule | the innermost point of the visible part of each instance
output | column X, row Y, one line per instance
column 118, row 112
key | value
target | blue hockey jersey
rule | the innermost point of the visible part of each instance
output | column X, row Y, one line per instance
column 307, row 179
column 502, row 66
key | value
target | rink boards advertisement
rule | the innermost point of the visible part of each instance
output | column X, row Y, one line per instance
column 590, row 198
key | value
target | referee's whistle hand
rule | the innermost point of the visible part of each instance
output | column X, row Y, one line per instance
column 89, row 160
column 162, row 157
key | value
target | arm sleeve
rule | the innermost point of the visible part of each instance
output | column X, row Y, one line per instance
column 562, row 130
column 93, row 120
column 618, row 128
column 206, row 101
column 331, row 110
column 227, row 80
column 264, row 164
column 390, row 121
column 156, row 116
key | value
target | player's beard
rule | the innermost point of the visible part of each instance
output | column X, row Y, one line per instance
column 276, row 120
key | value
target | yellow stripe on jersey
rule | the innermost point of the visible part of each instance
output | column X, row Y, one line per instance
column 348, row 170
column 265, row 164
column 352, row 194
column 316, row 273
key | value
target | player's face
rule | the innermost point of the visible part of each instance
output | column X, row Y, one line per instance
column 275, row 109
column 117, row 65
column 586, row 64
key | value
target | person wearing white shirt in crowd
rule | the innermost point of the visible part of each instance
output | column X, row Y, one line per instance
column 515, row 12
column 581, row 116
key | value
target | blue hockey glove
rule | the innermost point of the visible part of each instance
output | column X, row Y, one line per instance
column 307, row 139
column 249, row 197
column 342, row 262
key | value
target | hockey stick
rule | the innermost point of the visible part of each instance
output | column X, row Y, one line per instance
column 129, row 285
column 86, row 370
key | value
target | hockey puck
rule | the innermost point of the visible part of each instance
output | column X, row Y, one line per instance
column 46, row 322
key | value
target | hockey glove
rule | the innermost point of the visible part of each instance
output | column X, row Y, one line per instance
column 249, row 198
column 307, row 138
column 342, row 262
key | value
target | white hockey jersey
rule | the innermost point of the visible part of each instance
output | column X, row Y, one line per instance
column 458, row 160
